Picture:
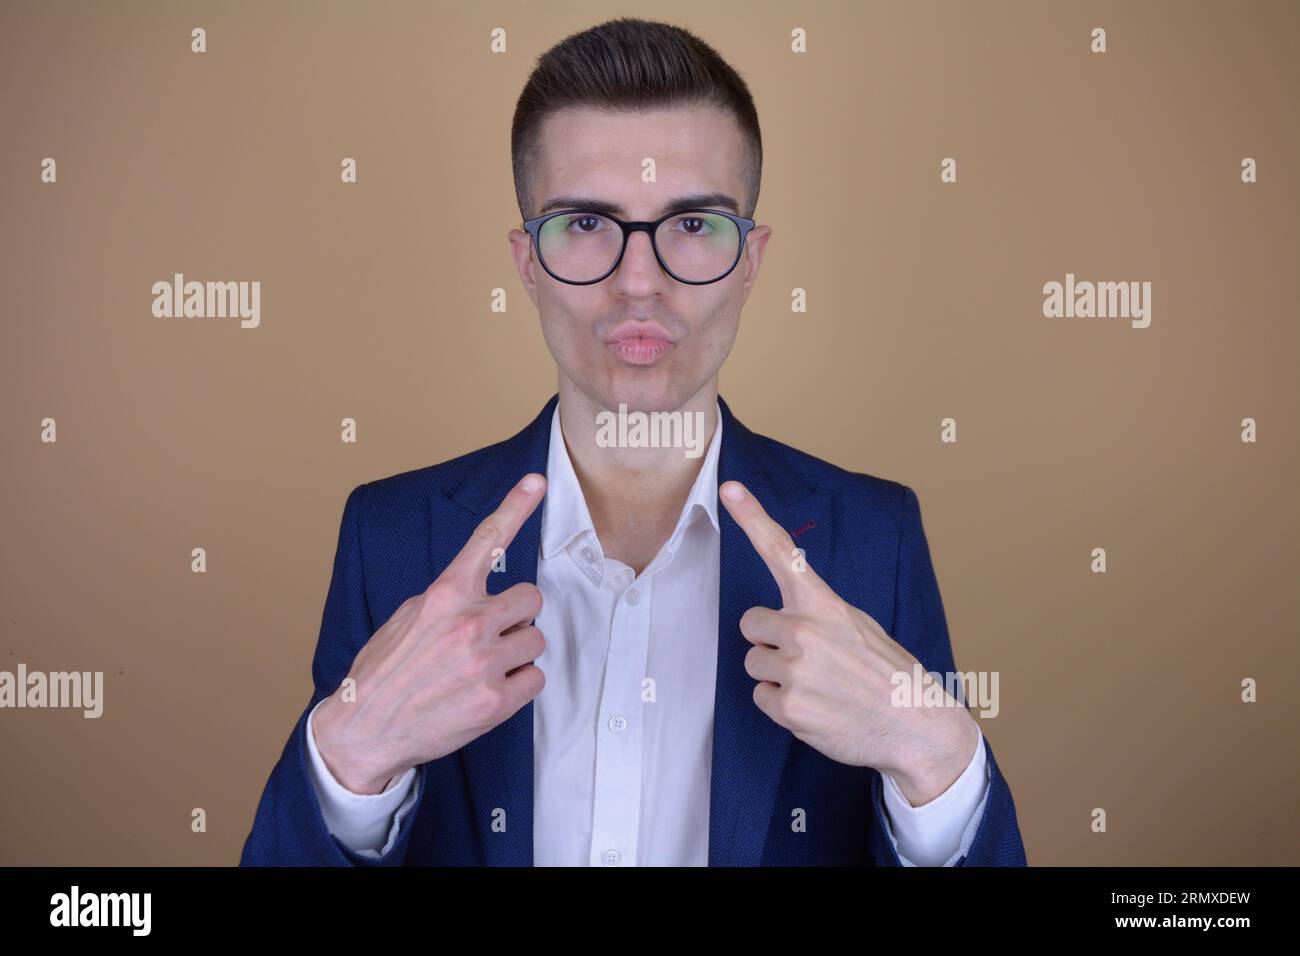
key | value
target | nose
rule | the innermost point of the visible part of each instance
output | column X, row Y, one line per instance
column 639, row 267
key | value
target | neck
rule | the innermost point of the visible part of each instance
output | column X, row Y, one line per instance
column 634, row 495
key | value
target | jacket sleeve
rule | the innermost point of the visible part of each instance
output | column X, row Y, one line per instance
column 920, row 626
column 288, row 827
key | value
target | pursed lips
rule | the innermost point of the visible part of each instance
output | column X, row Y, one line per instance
column 639, row 343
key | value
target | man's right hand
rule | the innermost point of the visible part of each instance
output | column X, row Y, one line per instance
column 449, row 665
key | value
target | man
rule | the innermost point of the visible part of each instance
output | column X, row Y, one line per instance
column 631, row 674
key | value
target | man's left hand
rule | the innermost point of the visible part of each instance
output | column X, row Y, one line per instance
column 825, row 672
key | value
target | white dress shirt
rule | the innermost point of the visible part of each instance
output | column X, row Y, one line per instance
column 623, row 730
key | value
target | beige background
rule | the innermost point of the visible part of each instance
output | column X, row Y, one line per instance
column 1118, row 690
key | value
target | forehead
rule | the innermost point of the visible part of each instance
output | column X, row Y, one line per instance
column 599, row 154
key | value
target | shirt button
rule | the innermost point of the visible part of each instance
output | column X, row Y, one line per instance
column 618, row 723
column 633, row 596
column 610, row 857
column 588, row 555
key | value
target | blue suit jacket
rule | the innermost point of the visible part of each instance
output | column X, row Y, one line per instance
column 862, row 534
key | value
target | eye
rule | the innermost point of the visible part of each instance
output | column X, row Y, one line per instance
column 586, row 224
column 694, row 225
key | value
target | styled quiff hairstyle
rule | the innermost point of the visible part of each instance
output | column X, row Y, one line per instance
column 630, row 64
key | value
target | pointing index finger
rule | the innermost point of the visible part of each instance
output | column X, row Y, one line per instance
column 772, row 542
column 497, row 530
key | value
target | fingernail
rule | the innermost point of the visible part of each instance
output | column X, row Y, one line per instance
column 733, row 492
column 531, row 482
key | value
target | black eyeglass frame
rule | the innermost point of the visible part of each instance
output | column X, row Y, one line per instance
column 533, row 227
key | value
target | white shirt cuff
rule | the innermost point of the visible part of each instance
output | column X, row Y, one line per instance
column 360, row 820
column 940, row 832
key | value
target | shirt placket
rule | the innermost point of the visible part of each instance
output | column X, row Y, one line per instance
column 616, row 809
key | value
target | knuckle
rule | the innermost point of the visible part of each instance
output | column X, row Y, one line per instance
column 781, row 542
column 535, row 596
column 464, row 629
column 439, row 596
column 526, row 597
column 796, row 670
column 488, row 531
column 845, row 613
column 412, row 609
column 476, row 667
column 534, row 681
column 474, row 618
column 488, row 703
column 781, row 539
column 797, row 640
column 787, row 707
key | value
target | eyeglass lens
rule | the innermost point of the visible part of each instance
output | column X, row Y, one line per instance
column 695, row 246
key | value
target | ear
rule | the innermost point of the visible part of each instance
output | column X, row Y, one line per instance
column 521, row 249
column 755, row 245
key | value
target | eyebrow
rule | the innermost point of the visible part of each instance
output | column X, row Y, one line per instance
column 680, row 204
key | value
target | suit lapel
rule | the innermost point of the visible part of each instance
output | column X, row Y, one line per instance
column 499, row 764
column 749, row 748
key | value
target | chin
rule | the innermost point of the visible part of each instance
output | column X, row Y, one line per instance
column 639, row 392
column 648, row 396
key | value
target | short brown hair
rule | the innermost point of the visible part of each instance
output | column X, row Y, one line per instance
column 629, row 64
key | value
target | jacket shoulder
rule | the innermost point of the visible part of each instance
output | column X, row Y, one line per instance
column 412, row 489
column 853, row 492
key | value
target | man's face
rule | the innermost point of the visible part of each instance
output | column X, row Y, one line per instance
column 597, row 155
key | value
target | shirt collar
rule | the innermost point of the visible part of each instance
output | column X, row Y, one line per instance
column 564, row 509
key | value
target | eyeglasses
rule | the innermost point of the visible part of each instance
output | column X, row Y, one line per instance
column 695, row 246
